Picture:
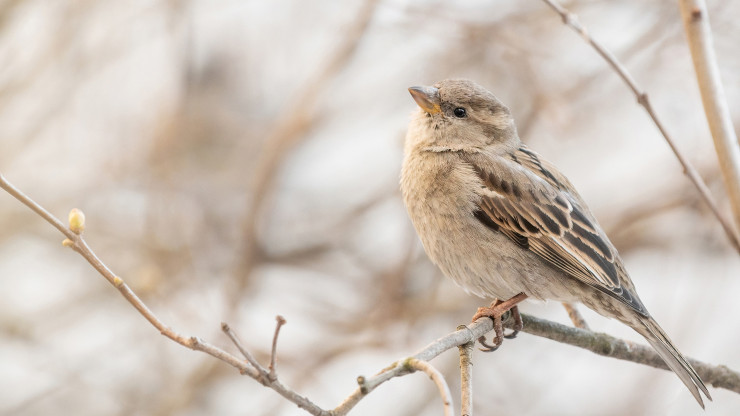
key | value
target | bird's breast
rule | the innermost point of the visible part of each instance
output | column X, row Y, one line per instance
column 439, row 191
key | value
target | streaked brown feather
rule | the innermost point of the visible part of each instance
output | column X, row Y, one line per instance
column 549, row 216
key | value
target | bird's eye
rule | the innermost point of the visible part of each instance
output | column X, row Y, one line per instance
column 460, row 112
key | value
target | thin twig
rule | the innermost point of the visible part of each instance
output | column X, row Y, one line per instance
column 292, row 128
column 415, row 364
column 273, row 355
column 699, row 34
column 575, row 316
column 466, row 378
column 43, row 213
column 572, row 21
column 264, row 376
column 462, row 336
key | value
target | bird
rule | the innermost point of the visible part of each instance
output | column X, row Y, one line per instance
column 504, row 223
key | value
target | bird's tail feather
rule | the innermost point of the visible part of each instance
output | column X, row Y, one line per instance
column 659, row 340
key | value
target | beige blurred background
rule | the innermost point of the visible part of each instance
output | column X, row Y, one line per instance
column 239, row 159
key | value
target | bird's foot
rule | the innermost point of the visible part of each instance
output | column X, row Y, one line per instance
column 497, row 309
column 518, row 324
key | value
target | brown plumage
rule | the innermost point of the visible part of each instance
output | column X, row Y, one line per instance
column 499, row 220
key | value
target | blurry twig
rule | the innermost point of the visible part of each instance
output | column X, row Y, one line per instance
column 575, row 316
column 572, row 21
column 699, row 34
column 289, row 131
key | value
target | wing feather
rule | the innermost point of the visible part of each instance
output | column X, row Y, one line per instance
column 538, row 208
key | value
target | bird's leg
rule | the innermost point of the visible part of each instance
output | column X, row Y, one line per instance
column 495, row 311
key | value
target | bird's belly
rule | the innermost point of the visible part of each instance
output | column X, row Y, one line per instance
column 490, row 265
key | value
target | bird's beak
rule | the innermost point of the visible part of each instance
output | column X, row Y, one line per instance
column 427, row 98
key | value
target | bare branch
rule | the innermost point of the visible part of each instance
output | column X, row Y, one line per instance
column 575, row 316
column 718, row 376
column 290, row 129
column 572, row 21
column 599, row 343
column 467, row 334
column 609, row 346
column 264, row 376
column 273, row 355
column 43, row 213
column 78, row 244
column 415, row 364
column 699, row 34
column 466, row 378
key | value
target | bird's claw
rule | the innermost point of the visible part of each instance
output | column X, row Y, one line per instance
column 512, row 335
column 498, row 330
column 496, row 312
column 518, row 324
column 488, row 347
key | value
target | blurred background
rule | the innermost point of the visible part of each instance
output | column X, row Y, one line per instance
column 238, row 159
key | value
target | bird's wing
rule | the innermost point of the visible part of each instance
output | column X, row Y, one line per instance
column 532, row 203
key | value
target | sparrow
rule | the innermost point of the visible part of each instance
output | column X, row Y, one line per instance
column 504, row 223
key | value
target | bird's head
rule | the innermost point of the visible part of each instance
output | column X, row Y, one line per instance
column 460, row 114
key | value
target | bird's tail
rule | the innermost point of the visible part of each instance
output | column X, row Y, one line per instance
column 659, row 340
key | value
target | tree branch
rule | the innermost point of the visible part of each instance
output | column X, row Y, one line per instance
column 467, row 334
column 699, row 34
column 571, row 20
column 78, row 244
column 415, row 364
column 466, row 378
column 43, row 213
column 263, row 376
column 718, row 376
column 273, row 355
